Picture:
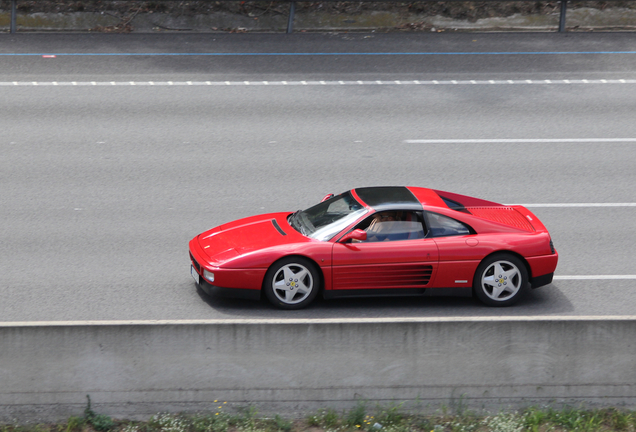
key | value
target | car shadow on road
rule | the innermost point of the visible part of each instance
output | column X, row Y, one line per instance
column 548, row 300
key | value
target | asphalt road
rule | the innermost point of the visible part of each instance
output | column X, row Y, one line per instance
column 111, row 161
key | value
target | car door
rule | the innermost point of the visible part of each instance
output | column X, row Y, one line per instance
column 397, row 262
column 460, row 251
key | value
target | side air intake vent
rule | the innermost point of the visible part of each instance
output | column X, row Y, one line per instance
column 383, row 276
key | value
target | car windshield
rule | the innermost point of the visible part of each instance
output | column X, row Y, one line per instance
column 325, row 220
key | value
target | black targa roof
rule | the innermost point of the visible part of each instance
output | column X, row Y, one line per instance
column 389, row 197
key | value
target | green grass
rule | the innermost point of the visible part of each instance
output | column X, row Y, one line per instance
column 361, row 418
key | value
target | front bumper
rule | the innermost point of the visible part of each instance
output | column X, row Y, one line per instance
column 196, row 270
column 213, row 290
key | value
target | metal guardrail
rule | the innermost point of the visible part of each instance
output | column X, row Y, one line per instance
column 292, row 11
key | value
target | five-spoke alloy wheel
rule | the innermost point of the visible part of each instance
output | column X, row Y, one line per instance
column 500, row 280
column 292, row 283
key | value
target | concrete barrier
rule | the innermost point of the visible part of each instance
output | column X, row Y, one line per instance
column 136, row 369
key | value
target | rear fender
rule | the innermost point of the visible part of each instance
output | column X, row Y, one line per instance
column 515, row 254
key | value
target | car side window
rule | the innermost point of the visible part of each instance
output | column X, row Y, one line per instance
column 393, row 226
column 443, row 226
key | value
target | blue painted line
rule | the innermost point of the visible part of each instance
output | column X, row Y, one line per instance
column 331, row 54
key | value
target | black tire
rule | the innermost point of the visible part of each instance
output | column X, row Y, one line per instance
column 292, row 283
column 500, row 280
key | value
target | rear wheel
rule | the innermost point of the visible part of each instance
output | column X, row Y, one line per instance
column 500, row 280
column 291, row 283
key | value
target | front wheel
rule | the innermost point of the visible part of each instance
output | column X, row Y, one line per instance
column 291, row 283
column 500, row 280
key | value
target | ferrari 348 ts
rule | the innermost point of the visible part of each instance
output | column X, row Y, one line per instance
column 378, row 241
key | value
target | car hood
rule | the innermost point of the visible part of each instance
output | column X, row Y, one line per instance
column 243, row 236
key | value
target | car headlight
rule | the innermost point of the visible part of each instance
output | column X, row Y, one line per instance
column 208, row 275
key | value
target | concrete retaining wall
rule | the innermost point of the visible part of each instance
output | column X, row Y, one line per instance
column 136, row 369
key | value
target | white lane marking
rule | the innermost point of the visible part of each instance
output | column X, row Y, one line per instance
column 520, row 140
column 274, row 321
column 573, row 205
column 595, row 277
column 337, row 83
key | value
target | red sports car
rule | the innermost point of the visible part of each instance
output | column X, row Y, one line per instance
column 377, row 241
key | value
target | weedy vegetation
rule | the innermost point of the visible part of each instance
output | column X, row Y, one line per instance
column 361, row 418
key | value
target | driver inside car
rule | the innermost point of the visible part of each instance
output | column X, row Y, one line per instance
column 383, row 226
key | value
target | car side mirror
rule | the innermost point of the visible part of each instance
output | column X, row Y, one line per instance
column 357, row 234
column 326, row 197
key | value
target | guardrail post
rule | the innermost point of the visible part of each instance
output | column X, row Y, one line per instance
column 290, row 20
column 13, row 12
column 564, row 6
